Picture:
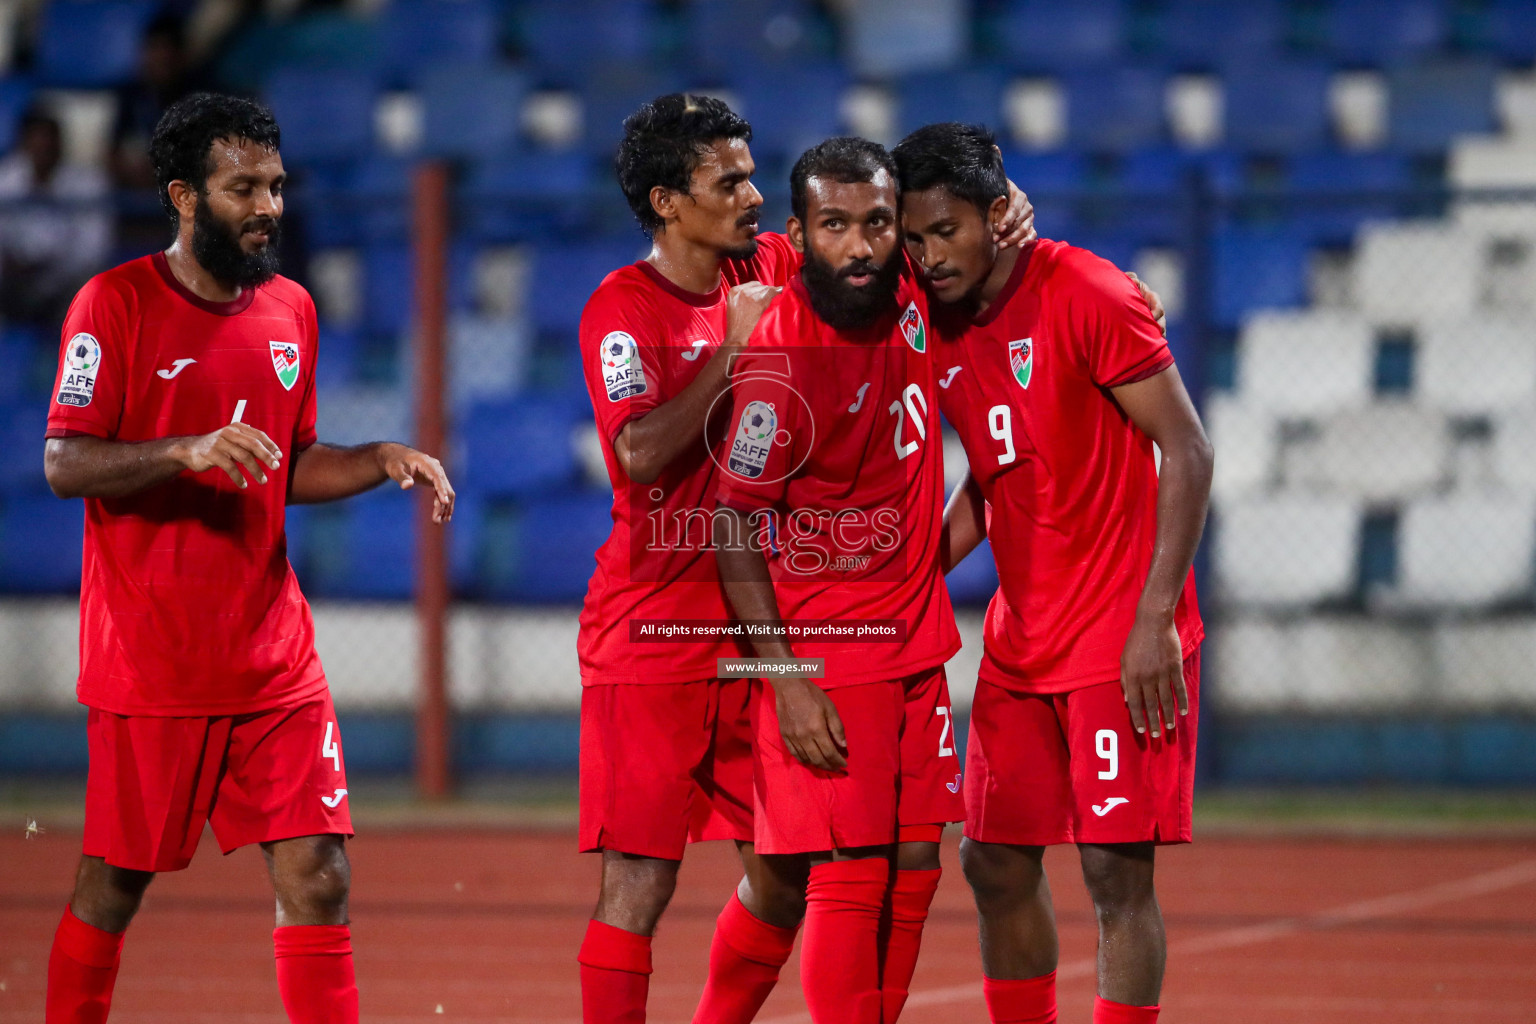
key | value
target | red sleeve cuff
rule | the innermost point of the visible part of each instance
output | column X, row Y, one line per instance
column 1149, row 367
column 54, row 431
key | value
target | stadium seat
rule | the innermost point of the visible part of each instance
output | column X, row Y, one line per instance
column 1287, row 550
column 90, row 44
column 378, row 199
column 519, row 446
column 1257, row 268
column 1379, row 34
column 1478, row 365
column 1387, row 451
column 1487, row 662
column 339, row 356
column 1414, row 271
column 1430, row 104
column 1467, row 550
column 1044, row 35
column 543, row 550
column 569, row 40
column 1305, row 363
column 1510, row 30
column 389, row 285
column 722, row 34
column 416, row 34
column 974, row 580
column 611, row 94
column 470, row 111
column 564, row 276
column 21, row 448
column 363, row 548
column 1115, row 109
column 1246, row 436
column 1338, row 192
column 972, row 95
column 325, row 115
column 519, row 196
column 15, row 96
column 1276, row 107
column 40, row 542
column 1210, row 33
column 1514, row 439
column 791, row 108
column 1328, row 663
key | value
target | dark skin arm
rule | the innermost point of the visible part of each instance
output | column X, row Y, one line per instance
column 808, row 721
column 965, row 523
column 325, row 473
column 1152, row 664
column 93, row 467
column 647, row 445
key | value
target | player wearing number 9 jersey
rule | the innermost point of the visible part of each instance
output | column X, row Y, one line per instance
column 1058, row 380
column 184, row 415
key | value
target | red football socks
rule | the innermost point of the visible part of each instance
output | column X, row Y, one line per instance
column 615, row 975
column 1106, row 1012
column 82, row 968
column 1021, row 1001
column 744, row 962
column 902, row 935
column 314, row 973
column 840, row 959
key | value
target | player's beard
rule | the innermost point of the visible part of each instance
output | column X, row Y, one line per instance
column 746, row 250
column 845, row 306
column 217, row 250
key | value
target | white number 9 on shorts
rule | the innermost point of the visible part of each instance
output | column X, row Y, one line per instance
column 1107, row 744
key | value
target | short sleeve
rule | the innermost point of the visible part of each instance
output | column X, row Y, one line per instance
column 93, row 363
column 621, row 357
column 304, row 427
column 775, row 262
column 760, row 450
column 1122, row 342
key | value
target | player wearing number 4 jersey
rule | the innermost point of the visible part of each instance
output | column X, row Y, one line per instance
column 1058, row 381
column 184, row 415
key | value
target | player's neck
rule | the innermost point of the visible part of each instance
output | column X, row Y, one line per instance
column 194, row 278
column 693, row 268
column 997, row 280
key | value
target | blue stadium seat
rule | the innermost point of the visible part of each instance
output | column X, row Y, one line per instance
column 1337, row 192
column 323, row 198
column 1254, row 268
column 361, row 548
column 973, row 581
column 611, row 94
column 378, row 198
column 339, row 356
column 40, row 541
column 389, row 300
column 1050, row 35
column 792, row 108
column 723, row 34
column 1277, row 108
column 420, row 33
column 1115, row 109
column 15, row 95
column 519, row 446
column 21, row 448
column 87, row 44
column 1430, row 104
column 971, row 95
column 557, row 541
column 565, row 275
column 326, row 115
column 1510, row 30
column 1214, row 33
column 523, row 195
column 1376, row 33
column 1156, row 169
column 566, row 39
column 470, row 111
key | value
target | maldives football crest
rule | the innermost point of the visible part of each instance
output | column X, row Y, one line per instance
column 1021, row 359
column 912, row 328
column 285, row 360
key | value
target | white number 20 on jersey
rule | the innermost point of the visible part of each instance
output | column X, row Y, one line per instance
column 912, row 404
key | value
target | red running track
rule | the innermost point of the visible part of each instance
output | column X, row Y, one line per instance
column 485, row 925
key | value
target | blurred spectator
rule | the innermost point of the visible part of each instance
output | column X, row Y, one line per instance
column 55, row 225
column 164, row 77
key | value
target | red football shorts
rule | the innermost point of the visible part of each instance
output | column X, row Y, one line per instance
column 902, row 769
column 1069, row 768
column 665, row 764
column 255, row 778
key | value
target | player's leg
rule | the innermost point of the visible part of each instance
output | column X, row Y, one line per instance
column 148, row 792
column 1132, row 945
column 930, row 798
column 1018, row 801
column 285, row 788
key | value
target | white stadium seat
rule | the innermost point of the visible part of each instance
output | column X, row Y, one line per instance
column 1305, row 363
column 1244, row 437
column 1320, row 663
column 1514, row 449
column 1487, row 663
column 1409, row 272
column 1382, row 452
column 1466, row 550
column 1287, row 550
column 1477, row 364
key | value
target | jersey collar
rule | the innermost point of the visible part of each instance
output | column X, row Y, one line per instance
column 701, row 299
column 240, row 305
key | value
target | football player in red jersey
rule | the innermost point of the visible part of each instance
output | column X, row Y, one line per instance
column 184, row 415
column 835, row 463
column 1057, row 378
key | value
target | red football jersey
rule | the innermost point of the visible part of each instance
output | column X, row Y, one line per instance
column 187, row 603
column 834, row 445
column 643, row 340
column 1071, row 484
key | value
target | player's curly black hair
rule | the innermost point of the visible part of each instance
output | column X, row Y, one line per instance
column 845, row 159
column 663, row 143
column 961, row 158
column 181, row 148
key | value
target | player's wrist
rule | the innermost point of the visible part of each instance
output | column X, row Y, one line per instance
column 1157, row 614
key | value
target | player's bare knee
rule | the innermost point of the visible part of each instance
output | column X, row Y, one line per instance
column 312, row 877
column 105, row 896
column 635, row 890
column 998, row 873
column 917, row 857
column 1118, row 878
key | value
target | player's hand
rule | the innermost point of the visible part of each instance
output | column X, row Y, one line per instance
column 239, row 449
column 409, row 467
column 810, row 724
column 744, row 308
column 1153, row 300
column 1152, row 675
column 1018, row 223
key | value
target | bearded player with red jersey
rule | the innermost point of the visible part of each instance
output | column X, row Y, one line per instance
column 834, row 469
column 1058, row 380
column 184, row 414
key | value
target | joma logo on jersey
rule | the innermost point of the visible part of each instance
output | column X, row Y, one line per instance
column 285, row 360
column 1021, row 359
column 912, row 328
column 753, row 440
